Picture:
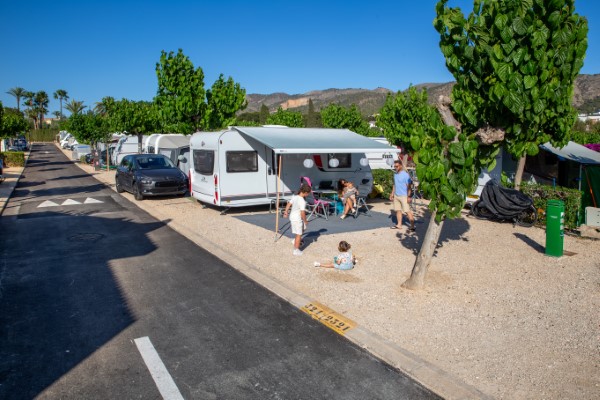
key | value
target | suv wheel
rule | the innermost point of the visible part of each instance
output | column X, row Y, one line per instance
column 136, row 192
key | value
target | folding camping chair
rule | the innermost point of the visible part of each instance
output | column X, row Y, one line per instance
column 361, row 198
column 315, row 205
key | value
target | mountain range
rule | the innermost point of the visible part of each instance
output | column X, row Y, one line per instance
column 370, row 101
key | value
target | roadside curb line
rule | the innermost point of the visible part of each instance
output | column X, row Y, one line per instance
column 426, row 374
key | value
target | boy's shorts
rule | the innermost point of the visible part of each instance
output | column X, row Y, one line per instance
column 401, row 203
column 297, row 227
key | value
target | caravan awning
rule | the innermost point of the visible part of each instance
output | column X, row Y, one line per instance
column 574, row 152
column 285, row 140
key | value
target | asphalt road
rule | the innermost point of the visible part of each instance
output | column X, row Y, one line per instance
column 100, row 300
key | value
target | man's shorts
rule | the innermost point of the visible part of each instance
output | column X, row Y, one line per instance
column 297, row 227
column 401, row 204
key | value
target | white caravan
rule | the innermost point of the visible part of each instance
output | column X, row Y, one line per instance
column 173, row 145
column 382, row 159
column 247, row 166
column 125, row 145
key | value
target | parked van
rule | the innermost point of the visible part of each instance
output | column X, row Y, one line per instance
column 246, row 166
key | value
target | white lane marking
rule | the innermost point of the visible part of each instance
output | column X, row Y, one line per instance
column 165, row 384
column 90, row 200
column 69, row 202
column 48, row 203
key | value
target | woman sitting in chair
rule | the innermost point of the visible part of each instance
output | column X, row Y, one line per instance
column 347, row 192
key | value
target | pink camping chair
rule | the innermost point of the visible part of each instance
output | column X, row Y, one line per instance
column 316, row 206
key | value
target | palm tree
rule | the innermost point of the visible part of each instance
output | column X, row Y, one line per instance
column 74, row 106
column 41, row 101
column 18, row 93
column 61, row 95
column 101, row 107
column 30, row 110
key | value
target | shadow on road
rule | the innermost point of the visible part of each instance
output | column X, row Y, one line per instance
column 59, row 298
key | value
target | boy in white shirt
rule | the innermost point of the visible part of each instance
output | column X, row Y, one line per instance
column 298, row 216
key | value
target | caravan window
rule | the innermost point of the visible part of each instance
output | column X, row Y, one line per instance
column 242, row 161
column 345, row 159
column 204, row 161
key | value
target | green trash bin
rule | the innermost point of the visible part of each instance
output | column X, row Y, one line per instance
column 555, row 228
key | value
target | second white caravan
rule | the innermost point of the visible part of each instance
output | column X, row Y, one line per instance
column 246, row 166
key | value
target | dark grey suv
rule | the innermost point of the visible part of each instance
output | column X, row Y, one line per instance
column 150, row 175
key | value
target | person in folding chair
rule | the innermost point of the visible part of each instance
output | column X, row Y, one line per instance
column 348, row 194
column 315, row 206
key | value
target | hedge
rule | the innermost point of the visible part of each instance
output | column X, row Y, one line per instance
column 542, row 193
column 384, row 178
column 42, row 135
column 13, row 158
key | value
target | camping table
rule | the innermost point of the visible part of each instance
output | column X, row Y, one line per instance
column 328, row 194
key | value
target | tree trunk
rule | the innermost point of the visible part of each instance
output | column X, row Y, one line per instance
column 519, row 172
column 430, row 241
column 139, row 135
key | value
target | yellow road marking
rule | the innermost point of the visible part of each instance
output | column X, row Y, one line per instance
column 328, row 317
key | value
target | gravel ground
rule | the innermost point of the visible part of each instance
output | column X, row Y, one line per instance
column 496, row 313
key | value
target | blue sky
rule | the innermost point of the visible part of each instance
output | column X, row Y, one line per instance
column 94, row 49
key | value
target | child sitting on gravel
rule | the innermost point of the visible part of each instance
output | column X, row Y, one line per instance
column 344, row 261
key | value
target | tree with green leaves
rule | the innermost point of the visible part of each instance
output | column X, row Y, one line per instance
column 75, row 107
column 134, row 117
column 88, row 127
column 336, row 116
column 40, row 104
column 18, row 93
column 264, row 114
column 288, row 118
column 515, row 63
column 12, row 123
column 311, row 116
column 447, row 163
column 224, row 99
column 503, row 72
column 61, row 95
column 181, row 95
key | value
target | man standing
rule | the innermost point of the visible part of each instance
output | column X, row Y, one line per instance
column 400, row 193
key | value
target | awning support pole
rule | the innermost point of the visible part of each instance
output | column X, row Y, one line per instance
column 277, row 202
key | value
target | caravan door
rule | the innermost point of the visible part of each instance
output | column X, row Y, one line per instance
column 272, row 161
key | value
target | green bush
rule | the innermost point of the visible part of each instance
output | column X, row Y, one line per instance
column 585, row 137
column 13, row 158
column 542, row 193
column 82, row 159
column 384, row 178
